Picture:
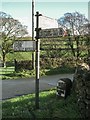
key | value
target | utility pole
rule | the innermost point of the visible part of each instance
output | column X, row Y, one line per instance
column 37, row 60
column 33, row 53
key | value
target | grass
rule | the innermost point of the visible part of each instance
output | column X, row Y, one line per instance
column 50, row 107
column 5, row 73
column 6, row 70
column 19, row 56
column 60, row 70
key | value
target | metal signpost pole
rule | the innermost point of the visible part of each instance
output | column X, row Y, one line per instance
column 32, row 19
column 37, row 60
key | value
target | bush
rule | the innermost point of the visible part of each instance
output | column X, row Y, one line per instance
column 24, row 65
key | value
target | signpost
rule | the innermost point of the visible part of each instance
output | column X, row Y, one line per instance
column 26, row 45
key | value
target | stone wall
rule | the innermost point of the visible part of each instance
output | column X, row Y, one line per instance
column 81, row 86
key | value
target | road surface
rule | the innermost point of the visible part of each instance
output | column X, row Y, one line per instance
column 22, row 86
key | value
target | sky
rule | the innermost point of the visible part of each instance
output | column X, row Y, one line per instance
column 22, row 9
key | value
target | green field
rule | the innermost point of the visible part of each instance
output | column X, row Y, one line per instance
column 7, row 70
column 50, row 107
column 19, row 56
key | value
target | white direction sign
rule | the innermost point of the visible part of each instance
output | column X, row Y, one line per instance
column 24, row 45
column 52, row 32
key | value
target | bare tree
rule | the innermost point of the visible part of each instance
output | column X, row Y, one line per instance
column 11, row 29
column 76, row 24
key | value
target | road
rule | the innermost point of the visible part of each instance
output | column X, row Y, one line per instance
column 14, row 88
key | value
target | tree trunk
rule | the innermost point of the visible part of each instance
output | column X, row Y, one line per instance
column 77, row 44
column 72, row 47
column 4, row 61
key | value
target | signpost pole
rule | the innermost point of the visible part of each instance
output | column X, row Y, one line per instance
column 37, row 60
column 37, row 74
column 33, row 53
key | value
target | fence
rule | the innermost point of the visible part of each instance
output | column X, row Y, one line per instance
column 67, row 49
column 65, row 43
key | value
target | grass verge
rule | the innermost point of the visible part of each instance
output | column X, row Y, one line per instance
column 50, row 107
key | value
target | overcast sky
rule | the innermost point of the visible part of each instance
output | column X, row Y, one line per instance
column 21, row 9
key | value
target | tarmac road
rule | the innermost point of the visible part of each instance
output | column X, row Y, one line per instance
column 14, row 88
